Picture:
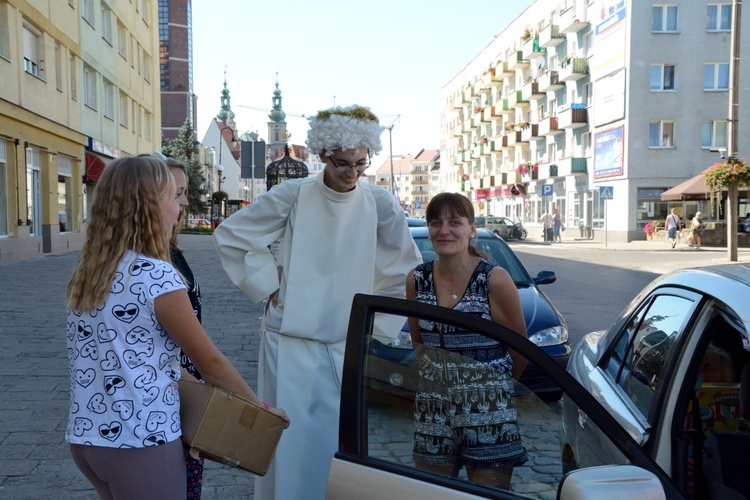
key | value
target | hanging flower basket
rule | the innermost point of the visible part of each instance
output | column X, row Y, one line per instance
column 220, row 196
column 733, row 172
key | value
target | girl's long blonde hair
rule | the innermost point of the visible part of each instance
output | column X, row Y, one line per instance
column 125, row 215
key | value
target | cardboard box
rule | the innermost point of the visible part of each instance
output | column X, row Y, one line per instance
column 226, row 428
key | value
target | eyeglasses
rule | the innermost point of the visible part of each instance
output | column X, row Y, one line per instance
column 360, row 165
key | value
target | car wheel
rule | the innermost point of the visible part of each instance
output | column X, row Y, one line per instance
column 523, row 235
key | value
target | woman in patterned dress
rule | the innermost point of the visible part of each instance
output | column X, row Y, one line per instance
column 465, row 412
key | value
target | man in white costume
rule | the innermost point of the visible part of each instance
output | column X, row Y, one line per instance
column 338, row 237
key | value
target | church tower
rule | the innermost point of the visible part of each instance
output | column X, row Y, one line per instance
column 277, row 135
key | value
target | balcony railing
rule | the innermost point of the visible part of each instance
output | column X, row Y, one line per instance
column 504, row 70
column 491, row 112
column 548, row 126
column 515, row 98
column 530, row 132
column 513, row 138
column 571, row 22
column 531, row 49
column 572, row 69
column 530, row 91
column 549, row 81
column 492, row 79
column 550, row 36
column 517, row 61
column 571, row 165
column 572, row 118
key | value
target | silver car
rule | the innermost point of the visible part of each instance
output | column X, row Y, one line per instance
column 674, row 370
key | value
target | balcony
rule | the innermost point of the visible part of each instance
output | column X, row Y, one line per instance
column 530, row 133
column 571, row 165
column 481, row 150
column 513, row 138
column 491, row 79
column 490, row 113
column 467, row 126
column 572, row 69
column 550, row 36
column 505, row 108
column 549, row 81
column 531, row 49
column 499, row 144
column 530, row 91
column 478, row 116
column 503, row 70
column 515, row 98
column 570, row 22
column 548, row 126
column 516, row 61
column 572, row 117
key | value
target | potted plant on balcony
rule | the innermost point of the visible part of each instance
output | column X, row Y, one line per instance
column 523, row 125
column 526, row 34
column 510, row 127
column 484, row 140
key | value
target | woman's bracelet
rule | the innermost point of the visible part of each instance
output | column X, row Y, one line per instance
column 265, row 405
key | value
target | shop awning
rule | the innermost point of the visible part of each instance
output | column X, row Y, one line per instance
column 94, row 168
column 693, row 189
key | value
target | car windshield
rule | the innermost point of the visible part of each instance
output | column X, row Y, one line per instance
column 496, row 251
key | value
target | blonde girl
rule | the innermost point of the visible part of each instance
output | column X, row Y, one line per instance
column 128, row 317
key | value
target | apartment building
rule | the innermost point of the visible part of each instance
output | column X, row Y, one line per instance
column 413, row 179
column 575, row 97
column 78, row 87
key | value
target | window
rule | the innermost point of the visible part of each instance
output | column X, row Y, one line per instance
column 145, row 7
column 31, row 57
column 663, row 77
column 107, row 24
column 146, row 125
column 3, row 189
column 587, row 92
column 133, row 53
column 661, row 134
column 134, row 116
column 4, row 30
column 87, row 12
column 146, row 67
column 719, row 17
column 648, row 339
column 89, row 87
column 73, row 78
column 123, row 111
column 122, row 41
column 714, row 134
column 33, row 191
column 664, row 19
column 58, row 67
column 109, row 100
column 716, row 76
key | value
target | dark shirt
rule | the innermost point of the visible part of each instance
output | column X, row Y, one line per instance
column 194, row 293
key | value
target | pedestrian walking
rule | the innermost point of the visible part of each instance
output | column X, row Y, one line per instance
column 338, row 237
column 546, row 221
column 696, row 231
column 673, row 225
column 128, row 317
column 557, row 226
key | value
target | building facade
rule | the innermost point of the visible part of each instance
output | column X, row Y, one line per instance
column 78, row 87
column 594, row 107
column 178, row 102
column 413, row 179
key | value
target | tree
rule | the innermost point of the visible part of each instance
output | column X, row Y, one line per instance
column 187, row 150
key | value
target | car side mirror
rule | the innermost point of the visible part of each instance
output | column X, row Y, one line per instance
column 545, row 278
column 599, row 482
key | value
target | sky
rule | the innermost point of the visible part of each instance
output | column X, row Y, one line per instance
column 392, row 56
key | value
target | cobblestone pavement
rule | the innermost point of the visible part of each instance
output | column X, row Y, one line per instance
column 34, row 458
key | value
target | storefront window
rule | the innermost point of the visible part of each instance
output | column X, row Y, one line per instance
column 65, row 193
column 33, row 192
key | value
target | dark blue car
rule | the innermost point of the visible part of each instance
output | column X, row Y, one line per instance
column 545, row 325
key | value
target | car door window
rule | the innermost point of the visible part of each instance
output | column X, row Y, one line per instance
column 659, row 327
column 414, row 417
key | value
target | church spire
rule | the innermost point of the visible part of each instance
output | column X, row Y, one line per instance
column 276, row 114
column 226, row 113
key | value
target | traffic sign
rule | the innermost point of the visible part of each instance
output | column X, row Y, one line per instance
column 547, row 189
column 605, row 192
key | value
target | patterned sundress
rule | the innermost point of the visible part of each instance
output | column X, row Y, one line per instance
column 464, row 412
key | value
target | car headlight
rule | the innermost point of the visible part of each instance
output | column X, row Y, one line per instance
column 550, row 336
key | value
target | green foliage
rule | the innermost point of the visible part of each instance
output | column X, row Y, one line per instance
column 186, row 149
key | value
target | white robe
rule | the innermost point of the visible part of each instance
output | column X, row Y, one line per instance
column 333, row 245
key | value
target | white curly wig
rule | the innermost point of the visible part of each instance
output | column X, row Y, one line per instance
column 344, row 128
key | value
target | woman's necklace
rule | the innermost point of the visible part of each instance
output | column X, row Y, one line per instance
column 454, row 294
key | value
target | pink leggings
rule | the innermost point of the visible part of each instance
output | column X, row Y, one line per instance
column 134, row 473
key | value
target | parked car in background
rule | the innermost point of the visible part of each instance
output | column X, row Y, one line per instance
column 480, row 222
column 376, row 428
column 415, row 222
column 545, row 325
column 673, row 369
column 506, row 228
column 198, row 223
